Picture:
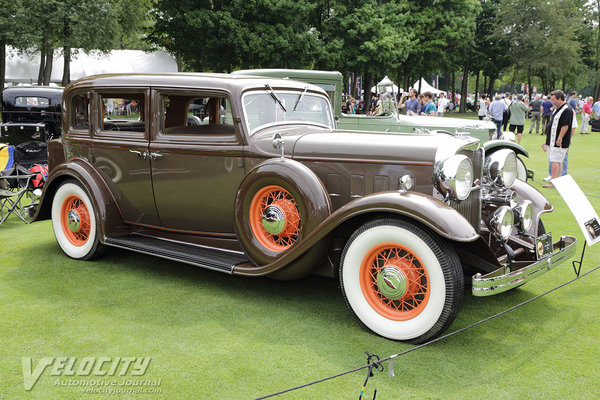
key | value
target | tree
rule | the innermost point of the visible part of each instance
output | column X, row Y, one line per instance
column 223, row 35
column 13, row 22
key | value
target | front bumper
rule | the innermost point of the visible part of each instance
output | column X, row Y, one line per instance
column 502, row 279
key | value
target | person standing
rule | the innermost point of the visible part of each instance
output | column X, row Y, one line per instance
column 507, row 102
column 412, row 105
column 558, row 134
column 546, row 113
column 586, row 113
column 484, row 103
column 596, row 109
column 496, row 111
column 536, row 114
column 441, row 105
column 573, row 102
column 430, row 108
column 518, row 111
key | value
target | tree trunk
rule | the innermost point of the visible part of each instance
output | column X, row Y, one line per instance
column 491, row 86
column 66, row 78
column 447, row 83
column 477, row 88
column 484, row 87
column 42, row 63
column 464, row 88
column 367, row 84
column 48, row 66
column 512, row 81
column 453, row 84
column 178, row 61
column 529, row 89
column 2, row 64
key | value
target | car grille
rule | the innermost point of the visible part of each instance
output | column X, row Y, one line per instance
column 471, row 207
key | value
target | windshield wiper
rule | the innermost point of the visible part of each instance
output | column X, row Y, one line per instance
column 300, row 97
column 275, row 97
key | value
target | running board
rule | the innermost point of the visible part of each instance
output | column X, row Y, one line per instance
column 205, row 257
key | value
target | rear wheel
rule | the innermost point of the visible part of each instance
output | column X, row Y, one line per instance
column 401, row 281
column 74, row 222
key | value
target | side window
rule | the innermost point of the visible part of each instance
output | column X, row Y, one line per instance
column 122, row 112
column 196, row 115
column 80, row 111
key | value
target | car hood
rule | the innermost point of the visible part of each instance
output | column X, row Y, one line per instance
column 362, row 146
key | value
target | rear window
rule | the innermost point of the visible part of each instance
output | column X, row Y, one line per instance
column 32, row 101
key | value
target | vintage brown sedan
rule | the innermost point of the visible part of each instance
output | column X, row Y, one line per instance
column 260, row 182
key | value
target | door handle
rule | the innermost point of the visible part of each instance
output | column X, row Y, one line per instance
column 154, row 156
column 140, row 154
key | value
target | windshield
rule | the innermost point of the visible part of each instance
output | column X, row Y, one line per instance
column 269, row 107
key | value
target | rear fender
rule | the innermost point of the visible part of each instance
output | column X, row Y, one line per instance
column 107, row 212
column 426, row 210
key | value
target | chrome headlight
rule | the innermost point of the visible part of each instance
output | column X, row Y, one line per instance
column 455, row 176
column 501, row 167
column 524, row 216
column 501, row 222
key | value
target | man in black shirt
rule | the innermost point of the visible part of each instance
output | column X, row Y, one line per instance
column 536, row 114
column 558, row 134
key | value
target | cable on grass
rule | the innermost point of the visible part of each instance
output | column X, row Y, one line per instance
column 377, row 363
column 373, row 363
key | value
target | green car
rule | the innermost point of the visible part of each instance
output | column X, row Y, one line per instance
column 391, row 120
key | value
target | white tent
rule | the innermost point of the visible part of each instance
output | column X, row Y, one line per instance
column 386, row 80
column 24, row 68
column 426, row 87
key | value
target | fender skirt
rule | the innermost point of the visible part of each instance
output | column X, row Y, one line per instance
column 424, row 209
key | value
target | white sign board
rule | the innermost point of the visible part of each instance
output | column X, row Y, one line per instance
column 582, row 210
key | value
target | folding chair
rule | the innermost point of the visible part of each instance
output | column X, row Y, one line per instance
column 13, row 187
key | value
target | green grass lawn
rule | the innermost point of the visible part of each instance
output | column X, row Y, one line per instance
column 213, row 336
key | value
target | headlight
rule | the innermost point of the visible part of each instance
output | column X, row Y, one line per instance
column 501, row 222
column 501, row 167
column 455, row 176
column 524, row 216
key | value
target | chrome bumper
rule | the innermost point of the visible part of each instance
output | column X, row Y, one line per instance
column 500, row 281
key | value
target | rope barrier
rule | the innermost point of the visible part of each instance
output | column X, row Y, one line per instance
column 376, row 364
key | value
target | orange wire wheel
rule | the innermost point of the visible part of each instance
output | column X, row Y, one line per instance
column 75, row 220
column 394, row 281
column 274, row 218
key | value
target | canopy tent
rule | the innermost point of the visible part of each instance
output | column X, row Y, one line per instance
column 23, row 68
column 386, row 80
column 426, row 87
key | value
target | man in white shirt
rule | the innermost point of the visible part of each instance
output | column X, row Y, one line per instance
column 441, row 106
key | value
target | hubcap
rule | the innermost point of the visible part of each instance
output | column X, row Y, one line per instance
column 273, row 220
column 391, row 282
column 73, row 221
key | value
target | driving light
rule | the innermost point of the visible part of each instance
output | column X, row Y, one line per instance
column 454, row 176
column 501, row 167
column 500, row 222
column 523, row 216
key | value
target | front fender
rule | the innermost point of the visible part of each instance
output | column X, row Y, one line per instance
column 426, row 210
column 493, row 145
column 107, row 213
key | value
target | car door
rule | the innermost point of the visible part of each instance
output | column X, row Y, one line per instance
column 120, row 152
column 197, row 161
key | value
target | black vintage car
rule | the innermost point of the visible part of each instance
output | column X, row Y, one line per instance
column 30, row 113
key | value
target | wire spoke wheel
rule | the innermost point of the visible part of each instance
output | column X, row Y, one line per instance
column 274, row 218
column 75, row 220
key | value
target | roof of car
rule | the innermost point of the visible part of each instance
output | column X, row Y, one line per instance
column 188, row 80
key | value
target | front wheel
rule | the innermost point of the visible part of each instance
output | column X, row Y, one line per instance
column 401, row 281
column 74, row 222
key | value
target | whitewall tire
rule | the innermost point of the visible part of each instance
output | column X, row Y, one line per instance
column 401, row 281
column 74, row 221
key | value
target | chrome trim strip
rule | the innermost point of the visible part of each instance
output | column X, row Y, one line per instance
column 498, row 281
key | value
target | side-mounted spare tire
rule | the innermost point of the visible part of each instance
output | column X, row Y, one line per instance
column 279, row 203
